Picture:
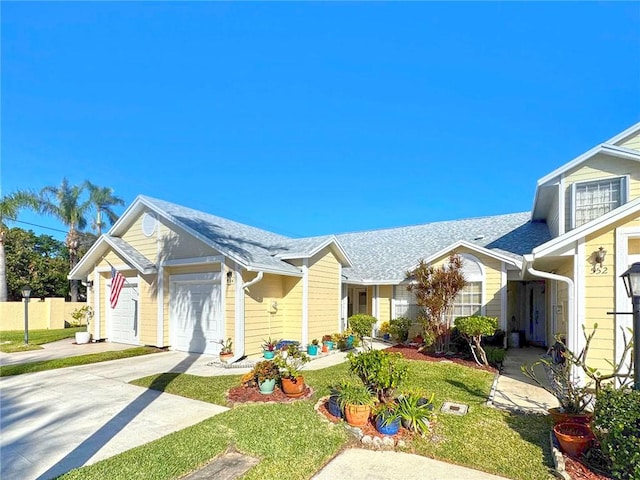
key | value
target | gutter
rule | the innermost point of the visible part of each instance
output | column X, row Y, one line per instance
column 572, row 323
column 239, row 317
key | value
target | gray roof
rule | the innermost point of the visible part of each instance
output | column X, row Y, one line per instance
column 386, row 255
column 376, row 255
column 134, row 256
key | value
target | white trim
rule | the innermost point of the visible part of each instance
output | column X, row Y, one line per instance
column 96, row 306
column 238, row 325
column 341, row 298
column 120, row 267
column 160, row 306
column 462, row 243
column 179, row 262
column 195, row 277
column 601, row 222
column 562, row 207
column 331, row 240
column 624, row 192
column 305, row 300
column 503, row 297
column 579, row 274
column 393, row 301
column 626, row 133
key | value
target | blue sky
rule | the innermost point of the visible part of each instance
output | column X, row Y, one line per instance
column 313, row 118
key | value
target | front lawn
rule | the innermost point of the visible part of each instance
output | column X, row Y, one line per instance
column 292, row 438
column 13, row 340
column 42, row 365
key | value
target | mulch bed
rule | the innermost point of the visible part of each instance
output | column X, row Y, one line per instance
column 244, row 394
column 579, row 471
column 410, row 352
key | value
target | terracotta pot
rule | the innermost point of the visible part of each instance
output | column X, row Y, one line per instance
column 357, row 415
column 293, row 388
column 325, row 348
column 574, row 438
column 561, row 417
column 225, row 357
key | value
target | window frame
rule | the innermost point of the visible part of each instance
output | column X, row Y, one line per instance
column 623, row 181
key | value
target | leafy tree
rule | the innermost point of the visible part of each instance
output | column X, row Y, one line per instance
column 472, row 329
column 10, row 206
column 42, row 262
column 66, row 204
column 435, row 289
column 102, row 199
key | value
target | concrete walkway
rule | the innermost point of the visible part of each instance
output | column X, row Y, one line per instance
column 516, row 392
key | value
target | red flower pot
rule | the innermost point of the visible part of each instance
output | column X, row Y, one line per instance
column 293, row 387
column 561, row 417
column 357, row 415
column 574, row 438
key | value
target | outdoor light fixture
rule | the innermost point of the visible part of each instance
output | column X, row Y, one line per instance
column 631, row 279
column 26, row 293
column 600, row 254
column 229, row 277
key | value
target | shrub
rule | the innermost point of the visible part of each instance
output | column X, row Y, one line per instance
column 416, row 411
column 473, row 328
column 361, row 325
column 382, row 372
column 265, row 370
column 616, row 423
column 495, row 355
column 399, row 328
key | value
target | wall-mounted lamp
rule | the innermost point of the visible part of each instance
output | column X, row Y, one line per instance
column 599, row 255
column 229, row 277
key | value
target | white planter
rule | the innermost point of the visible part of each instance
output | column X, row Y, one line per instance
column 515, row 339
column 83, row 337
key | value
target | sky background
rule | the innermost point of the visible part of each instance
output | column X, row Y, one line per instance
column 313, row 118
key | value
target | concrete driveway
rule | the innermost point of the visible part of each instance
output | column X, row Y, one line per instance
column 54, row 421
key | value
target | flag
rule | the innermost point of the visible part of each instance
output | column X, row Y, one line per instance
column 117, row 282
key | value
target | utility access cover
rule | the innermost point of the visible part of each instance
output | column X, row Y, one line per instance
column 454, row 408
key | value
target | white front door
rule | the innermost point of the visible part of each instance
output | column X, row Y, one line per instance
column 535, row 315
column 124, row 319
column 196, row 315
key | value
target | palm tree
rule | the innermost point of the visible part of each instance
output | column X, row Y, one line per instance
column 102, row 199
column 65, row 204
column 10, row 206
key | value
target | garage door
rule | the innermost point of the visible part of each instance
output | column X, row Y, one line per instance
column 123, row 320
column 196, row 313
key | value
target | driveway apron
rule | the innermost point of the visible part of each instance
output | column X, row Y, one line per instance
column 54, row 421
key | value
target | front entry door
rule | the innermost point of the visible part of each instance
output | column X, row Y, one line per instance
column 535, row 313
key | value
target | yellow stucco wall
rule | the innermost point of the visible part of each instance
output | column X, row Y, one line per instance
column 324, row 295
column 600, row 167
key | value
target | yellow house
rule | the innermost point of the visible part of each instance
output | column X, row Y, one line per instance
column 195, row 278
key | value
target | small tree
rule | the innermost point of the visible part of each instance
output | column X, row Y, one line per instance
column 435, row 289
column 472, row 329
column 362, row 324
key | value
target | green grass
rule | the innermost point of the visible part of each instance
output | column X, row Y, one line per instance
column 13, row 340
column 40, row 366
column 292, row 438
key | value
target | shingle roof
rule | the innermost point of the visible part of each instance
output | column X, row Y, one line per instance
column 386, row 255
column 376, row 255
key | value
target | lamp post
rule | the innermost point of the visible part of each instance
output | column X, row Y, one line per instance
column 631, row 279
column 26, row 293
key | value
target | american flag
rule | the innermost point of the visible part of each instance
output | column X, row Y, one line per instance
column 117, row 282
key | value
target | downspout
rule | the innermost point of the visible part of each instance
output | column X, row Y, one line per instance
column 572, row 324
column 239, row 318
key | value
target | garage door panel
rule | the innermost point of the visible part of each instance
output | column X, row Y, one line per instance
column 196, row 316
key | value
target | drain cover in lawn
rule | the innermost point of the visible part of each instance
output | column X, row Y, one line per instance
column 454, row 408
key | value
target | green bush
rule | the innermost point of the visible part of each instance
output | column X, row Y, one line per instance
column 616, row 423
column 361, row 325
column 472, row 329
column 399, row 328
column 382, row 372
column 495, row 355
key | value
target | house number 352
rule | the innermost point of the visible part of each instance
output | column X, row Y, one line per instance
column 598, row 269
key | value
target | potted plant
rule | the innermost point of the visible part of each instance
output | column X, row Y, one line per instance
column 84, row 313
column 361, row 325
column 312, row 348
column 385, row 331
column 387, row 418
column 327, row 342
column 269, row 348
column 399, row 328
column 291, row 362
column 266, row 373
column 226, row 352
column 574, row 438
column 416, row 411
column 356, row 401
column 333, row 404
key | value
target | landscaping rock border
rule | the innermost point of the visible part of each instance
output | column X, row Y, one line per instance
column 558, row 458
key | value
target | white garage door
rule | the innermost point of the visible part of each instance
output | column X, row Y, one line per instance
column 196, row 313
column 123, row 319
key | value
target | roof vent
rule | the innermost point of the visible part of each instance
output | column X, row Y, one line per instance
column 479, row 237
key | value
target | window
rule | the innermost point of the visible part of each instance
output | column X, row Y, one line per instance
column 593, row 199
column 467, row 302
